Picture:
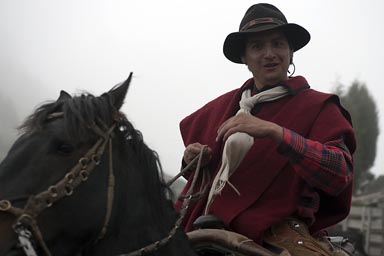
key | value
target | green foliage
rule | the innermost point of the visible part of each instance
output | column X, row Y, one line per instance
column 362, row 107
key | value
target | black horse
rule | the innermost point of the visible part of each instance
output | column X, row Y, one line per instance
column 81, row 181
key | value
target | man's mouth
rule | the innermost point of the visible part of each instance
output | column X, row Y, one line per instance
column 270, row 65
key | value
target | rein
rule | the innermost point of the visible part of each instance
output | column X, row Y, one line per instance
column 26, row 226
column 187, row 199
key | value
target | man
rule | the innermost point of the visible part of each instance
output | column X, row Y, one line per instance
column 276, row 148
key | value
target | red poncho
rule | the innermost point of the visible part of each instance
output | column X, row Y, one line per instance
column 270, row 187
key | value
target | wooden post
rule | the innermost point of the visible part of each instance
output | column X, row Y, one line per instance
column 368, row 217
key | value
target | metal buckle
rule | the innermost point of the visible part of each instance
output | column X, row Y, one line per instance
column 25, row 236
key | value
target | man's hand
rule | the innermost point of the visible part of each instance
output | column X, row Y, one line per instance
column 254, row 126
column 192, row 150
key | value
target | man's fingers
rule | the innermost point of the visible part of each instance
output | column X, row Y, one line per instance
column 192, row 150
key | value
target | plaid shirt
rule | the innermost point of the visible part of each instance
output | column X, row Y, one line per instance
column 327, row 167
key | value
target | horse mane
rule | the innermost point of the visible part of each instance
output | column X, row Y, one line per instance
column 79, row 113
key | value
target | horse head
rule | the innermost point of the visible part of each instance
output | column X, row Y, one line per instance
column 76, row 172
column 46, row 176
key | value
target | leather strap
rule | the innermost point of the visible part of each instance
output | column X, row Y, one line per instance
column 227, row 241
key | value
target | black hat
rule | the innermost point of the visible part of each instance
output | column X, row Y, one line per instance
column 263, row 17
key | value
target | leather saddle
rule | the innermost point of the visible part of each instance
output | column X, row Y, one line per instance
column 211, row 239
column 287, row 238
column 212, row 242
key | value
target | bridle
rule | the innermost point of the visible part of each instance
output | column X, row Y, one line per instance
column 26, row 226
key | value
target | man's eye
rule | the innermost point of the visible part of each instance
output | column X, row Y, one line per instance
column 279, row 44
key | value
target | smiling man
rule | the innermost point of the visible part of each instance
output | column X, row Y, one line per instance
column 268, row 56
column 280, row 152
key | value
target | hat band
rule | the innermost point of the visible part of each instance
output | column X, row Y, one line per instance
column 261, row 21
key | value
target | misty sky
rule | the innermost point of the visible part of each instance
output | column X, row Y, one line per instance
column 174, row 48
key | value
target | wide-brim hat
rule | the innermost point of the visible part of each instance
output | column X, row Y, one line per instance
column 258, row 18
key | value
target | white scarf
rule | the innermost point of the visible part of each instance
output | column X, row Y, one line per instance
column 238, row 144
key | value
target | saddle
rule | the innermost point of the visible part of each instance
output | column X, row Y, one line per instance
column 212, row 242
column 288, row 238
column 211, row 239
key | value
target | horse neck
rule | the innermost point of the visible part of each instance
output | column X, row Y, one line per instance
column 141, row 216
column 131, row 237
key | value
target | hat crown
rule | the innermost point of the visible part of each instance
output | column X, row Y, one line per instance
column 264, row 13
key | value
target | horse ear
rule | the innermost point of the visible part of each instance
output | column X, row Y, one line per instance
column 64, row 96
column 119, row 92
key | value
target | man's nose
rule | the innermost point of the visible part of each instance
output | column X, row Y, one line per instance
column 269, row 52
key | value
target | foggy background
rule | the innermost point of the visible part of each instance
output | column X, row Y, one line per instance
column 174, row 48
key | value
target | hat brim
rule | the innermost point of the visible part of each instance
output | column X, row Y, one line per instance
column 234, row 44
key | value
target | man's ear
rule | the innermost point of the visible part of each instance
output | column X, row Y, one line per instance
column 291, row 57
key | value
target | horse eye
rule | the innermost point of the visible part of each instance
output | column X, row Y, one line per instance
column 65, row 148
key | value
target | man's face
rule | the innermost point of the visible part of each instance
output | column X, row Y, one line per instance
column 267, row 55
